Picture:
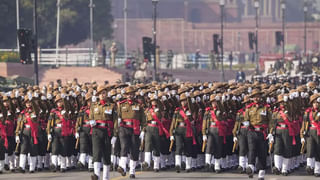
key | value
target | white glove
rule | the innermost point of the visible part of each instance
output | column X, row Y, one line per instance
column 113, row 140
column 141, row 136
column 92, row 123
column 303, row 140
column 204, row 137
column 187, row 94
column 164, row 98
column 77, row 135
column 171, row 138
column 49, row 137
column 270, row 138
column 235, row 139
column 17, row 139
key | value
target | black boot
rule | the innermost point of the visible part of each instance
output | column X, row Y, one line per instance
column 121, row 171
column 94, row 177
column 276, row 171
column 249, row 172
column 178, row 169
column 132, row 176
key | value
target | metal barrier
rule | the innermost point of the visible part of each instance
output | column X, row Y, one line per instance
column 81, row 57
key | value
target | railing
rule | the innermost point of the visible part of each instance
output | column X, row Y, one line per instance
column 81, row 57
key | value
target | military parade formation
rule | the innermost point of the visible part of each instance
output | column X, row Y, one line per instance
column 208, row 127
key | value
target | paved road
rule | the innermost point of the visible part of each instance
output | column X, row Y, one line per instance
column 74, row 175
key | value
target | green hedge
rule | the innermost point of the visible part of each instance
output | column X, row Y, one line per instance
column 9, row 57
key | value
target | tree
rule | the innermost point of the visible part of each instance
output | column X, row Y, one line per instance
column 74, row 21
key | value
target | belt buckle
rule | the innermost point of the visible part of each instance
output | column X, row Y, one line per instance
column 27, row 126
column 128, row 123
column 283, row 125
column 102, row 124
column 213, row 123
column 59, row 125
column 181, row 124
column 257, row 129
column 153, row 122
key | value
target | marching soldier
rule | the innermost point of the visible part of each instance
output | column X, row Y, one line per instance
column 27, row 131
column 83, row 132
column 58, row 131
column 214, row 132
column 181, row 131
column 284, row 127
column 310, row 132
column 259, row 117
column 130, row 119
column 102, row 115
column 240, row 132
column 153, row 130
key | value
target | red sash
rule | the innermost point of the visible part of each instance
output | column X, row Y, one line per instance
column 314, row 123
column 66, row 129
column 160, row 125
column 10, row 128
column 189, row 132
column 4, row 136
column 291, row 126
column 222, row 126
column 135, row 125
column 34, row 128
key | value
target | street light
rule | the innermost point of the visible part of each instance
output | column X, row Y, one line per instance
column 305, row 10
column 35, row 44
column 256, row 5
column 154, row 32
column 222, row 3
column 91, row 6
column 283, row 7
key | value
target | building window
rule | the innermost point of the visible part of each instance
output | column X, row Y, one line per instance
column 195, row 15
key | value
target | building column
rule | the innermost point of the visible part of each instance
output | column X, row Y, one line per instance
column 246, row 8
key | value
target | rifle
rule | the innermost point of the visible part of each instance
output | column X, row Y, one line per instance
column 50, row 129
column 171, row 144
column 21, row 123
column 78, row 125
column 205, row 142
column 235, row 144
column 304, row 133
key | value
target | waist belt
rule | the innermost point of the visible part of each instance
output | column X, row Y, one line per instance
column 152, row 122
column 182, row 124
column 282, row 126
column 245, row 123
column 27, row 126
column 128, row 123
column 213, row 124
column 102, row 124
column 58, row 125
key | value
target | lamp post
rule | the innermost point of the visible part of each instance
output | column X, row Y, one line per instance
column 18, row 21
column 91, row 6
column 283, row 7
column 256, row 5
column 125, row 11
column 154, row 32
column 35, row 36
column 305, row 10
column 222, row 3
column 58, row 32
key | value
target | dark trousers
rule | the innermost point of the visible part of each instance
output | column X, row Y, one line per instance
column 101, row 146
column 11, row 145
column 2, row 149
column 85, row 140
column 116, row 149
column 183, row 144
column 313, row 145
column 283, row 143
column 258, row 147
column 152, row 140
column 164, row 145
column 243, row 142
column 27, row 144
column 43, row 141
column 129, row 143
column 59, row 143
column 215, row 143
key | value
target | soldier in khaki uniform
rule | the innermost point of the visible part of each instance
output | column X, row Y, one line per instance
column 153, row 129
column 102, row 115
column 59, row 130
column 83, row 132
column 214, row 132
column 130, row 119
column 240, row 132
column 310, row 133
column 181, row 131
column 259, row 117
column 27, row 131
column 9, row 128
